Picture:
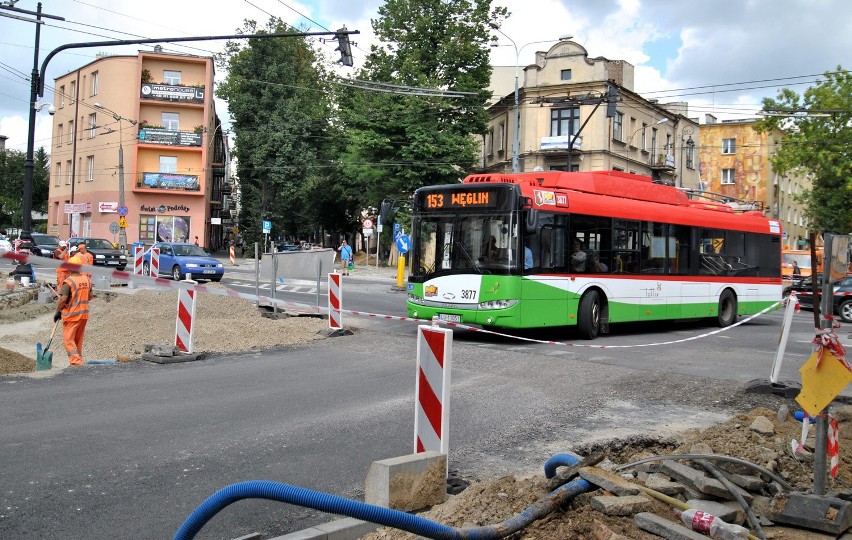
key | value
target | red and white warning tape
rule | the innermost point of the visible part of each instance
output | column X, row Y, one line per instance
column 310, row 309
column 128, row 277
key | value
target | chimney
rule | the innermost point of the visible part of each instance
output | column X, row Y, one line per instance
column 710, row 119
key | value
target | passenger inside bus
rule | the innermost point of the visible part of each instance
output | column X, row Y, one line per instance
column 492, row 253
column 578, row 257
column 596, row 264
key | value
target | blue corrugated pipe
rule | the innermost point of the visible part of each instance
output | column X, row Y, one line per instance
column 276, row 491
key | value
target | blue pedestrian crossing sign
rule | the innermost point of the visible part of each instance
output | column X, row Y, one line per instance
column 403, row 243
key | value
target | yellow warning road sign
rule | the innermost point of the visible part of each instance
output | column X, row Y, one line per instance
column 122, row 222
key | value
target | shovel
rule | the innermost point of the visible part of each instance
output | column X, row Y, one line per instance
column 44, row 357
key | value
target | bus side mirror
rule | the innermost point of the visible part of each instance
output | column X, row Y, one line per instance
column 531, row 223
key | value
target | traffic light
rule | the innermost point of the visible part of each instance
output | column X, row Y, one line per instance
column 344, row 46
column 611, row 100
column 384, row 214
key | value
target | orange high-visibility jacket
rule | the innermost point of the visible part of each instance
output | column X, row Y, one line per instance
column 77, row 307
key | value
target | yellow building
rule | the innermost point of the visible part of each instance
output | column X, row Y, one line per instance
column 156, row 110
column 735, row 164
column 565, row 93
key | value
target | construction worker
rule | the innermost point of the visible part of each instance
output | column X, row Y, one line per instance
column 83, row 251
column 61, row 253
column 73, row 309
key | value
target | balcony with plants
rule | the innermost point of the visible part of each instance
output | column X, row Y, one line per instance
column 171, row 182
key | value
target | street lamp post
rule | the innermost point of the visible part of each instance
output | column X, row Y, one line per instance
column 27, row 200
column 122, row 230
column 627, row 154
column 516, row 139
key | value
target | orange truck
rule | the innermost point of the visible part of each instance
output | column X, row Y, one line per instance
column 802, row 257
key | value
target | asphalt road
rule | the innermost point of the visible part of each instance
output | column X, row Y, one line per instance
column 128, row 451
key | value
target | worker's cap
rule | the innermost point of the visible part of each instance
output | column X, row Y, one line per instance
column 76, row 259
column 63, row 243
column 73, row 249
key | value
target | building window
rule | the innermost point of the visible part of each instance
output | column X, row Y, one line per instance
column 61, row 96
column 168, row 164
column 158, row 228
column 70, row 131
column 729, row 146
column 171, row 77
column 728, row 176
column 93, row 125
column 91, row 170
column 565, row 74
column 95, row 83
column 501, row 137
column 490, row 142
column 653, row 143
column 59, row 135
column 564, row 121
column 690, row 156
column 171, row 121
column 644, row 146
column 72, row 95
column 618, row 127
column 69, row 173
column 58, row 179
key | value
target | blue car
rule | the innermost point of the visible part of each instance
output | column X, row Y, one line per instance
column 181, row 260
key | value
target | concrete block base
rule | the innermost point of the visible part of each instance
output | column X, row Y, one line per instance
column 407, row 483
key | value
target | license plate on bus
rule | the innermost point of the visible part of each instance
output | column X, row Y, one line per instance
column 449, row 318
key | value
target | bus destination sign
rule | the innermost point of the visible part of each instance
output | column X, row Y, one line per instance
column 460, row 199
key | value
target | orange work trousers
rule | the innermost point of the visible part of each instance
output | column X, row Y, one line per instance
column 72, row 335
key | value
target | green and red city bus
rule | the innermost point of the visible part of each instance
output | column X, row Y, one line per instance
column 585, row 249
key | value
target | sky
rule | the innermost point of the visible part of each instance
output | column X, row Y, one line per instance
column 721, row 56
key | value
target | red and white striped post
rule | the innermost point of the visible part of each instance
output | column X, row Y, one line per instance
column 185, row 320
column 432, row 391
column 232, row 255
column 154, row 265
column 335, row 299
column 138, row 251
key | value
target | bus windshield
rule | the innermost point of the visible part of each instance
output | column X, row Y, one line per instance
column 484, row 244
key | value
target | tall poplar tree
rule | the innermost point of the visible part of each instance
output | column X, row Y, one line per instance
column 397, row 143
column 280, row 111
column 817, row 142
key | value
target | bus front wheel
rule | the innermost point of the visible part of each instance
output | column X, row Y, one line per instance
column 589, row 315
column 727, row 312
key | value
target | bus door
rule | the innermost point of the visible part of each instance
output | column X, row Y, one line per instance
column 656, row 290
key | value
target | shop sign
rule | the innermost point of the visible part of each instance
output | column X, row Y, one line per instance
column 168, row 137
column 163, row 208
column 172, row 93
column 78, row 208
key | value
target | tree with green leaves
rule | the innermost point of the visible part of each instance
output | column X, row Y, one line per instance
column 12, row 185
column 280, row 111
column 397, row 140
column 817, row 142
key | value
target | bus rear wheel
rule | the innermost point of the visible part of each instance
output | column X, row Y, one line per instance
column 589, row 315
column 727, row 312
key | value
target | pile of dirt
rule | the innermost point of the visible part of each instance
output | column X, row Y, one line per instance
column 121, row 324
column 490, row 503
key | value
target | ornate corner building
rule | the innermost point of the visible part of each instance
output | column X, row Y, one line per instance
column 573, row 112
column 150, row 121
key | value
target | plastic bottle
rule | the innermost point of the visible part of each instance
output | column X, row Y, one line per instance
column 711, row 525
